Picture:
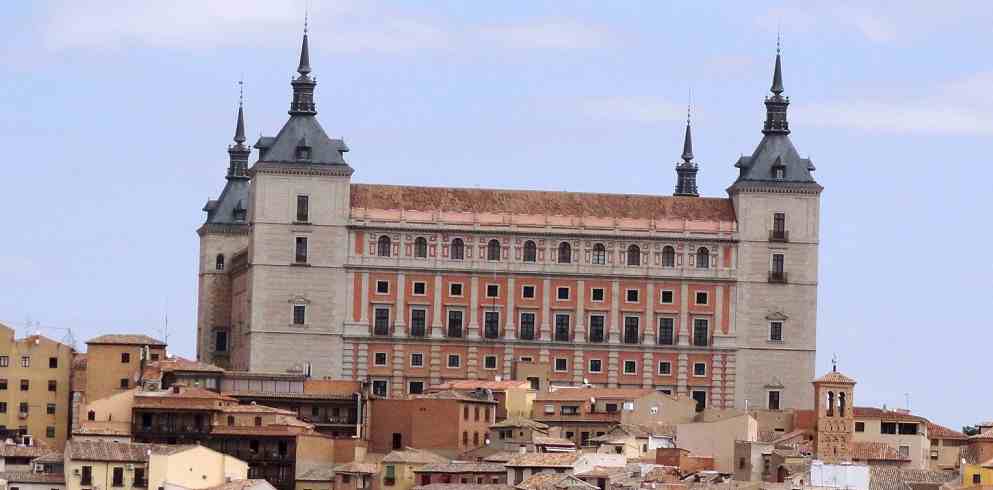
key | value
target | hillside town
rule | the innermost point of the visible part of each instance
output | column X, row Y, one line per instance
column 386, row 337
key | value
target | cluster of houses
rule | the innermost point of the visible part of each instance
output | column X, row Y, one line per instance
column 136, row 418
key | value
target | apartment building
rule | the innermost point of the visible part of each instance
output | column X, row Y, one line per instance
column 403, row 287
column 34, row 387
column 448, row 420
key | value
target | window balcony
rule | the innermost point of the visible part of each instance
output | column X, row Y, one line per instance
column 777, row 277
column 779, row 236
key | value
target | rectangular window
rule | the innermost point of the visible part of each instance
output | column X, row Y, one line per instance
column 418, row 322
column 4, row 361
column 632, row 296
column 701, row 334
column 859, row 426
column 699, row 369
column 562, row 293
column 220, row 341
column 490, row 362
column 301, row 250
column 381, row 321
column 491, row 324
column 380, row 387
column 299, row 314
column 667, row 297
column 454, row 360
column 907, row 429
column 125, row 384
column 379, row 359
column 665, row 368
column 125, row 357
column 415, row 387
column 87, row 477
column 492, row 290
column 50, row 432
column 779, row 226
column 527, row 292
column 569, row 410
column 25, row 385
column 596, row 366
column 562, row 328
column 303, row 209
column 631, row 331
column 701, row 297
column 596, row 295
column 53, row 362
column 390, row 475
column 904, row 452
column 22, row 407
column 527, row 326
column 596, row 328
column 420, row 288
column 53, row 385
column 776, row 331
column 3, row 384
column 455, row 289
column 667, row 329
column 778, row 263
column 700, row 397
column 417, row 359
column 25, row 361
column 887, row 428
column 561, row 364
column 455, row 323
column 773, row 400
column 139, row 478
column 382, row 287
column 3, row 407
column 630, row 367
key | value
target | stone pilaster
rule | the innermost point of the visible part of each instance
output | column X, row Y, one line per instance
column 546, row 310
column 615, row 312
column 362, row 361
column 578, row 365
column 364, row 303
column 434, row 368
column 508, row 361
column 510, row 330
column 473, row 333
column 439, row 313
column 684, row 316
column 729, row 380
column 613, row 368
column 348, row 359
column 648, row 368
column 399, row 359
column 399, row 325
column 649, row 327
column 472, row 362
column 682, row 365
column 580, row 323
column 717, row 380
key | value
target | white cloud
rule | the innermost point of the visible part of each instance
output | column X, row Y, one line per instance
column 899, row 117
column 641, row 109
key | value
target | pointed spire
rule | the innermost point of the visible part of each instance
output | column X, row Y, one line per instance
column 304, row 67
column 303, row 85
column 777, row 74
column 239, row 131
column 687, row 139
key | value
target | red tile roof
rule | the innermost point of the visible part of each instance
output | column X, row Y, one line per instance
column 935, row 431
column 878, row 413
column 552, row 203
column 584, row 394
column 126, row 339
column 544, row 459
column 875, row 451
column 835, row 377
column 471, row 384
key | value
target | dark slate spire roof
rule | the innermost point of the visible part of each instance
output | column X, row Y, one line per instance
column 302, row 140
column 230, row 208
column 775, row 159
column 239, row 130
column 238, row 153
column 686, row 170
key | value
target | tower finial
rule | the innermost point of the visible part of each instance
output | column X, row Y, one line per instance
column 777, row 74
column 834, row 363
column 239, row 131
column 688, row 138
column 304, row 67
column 686, row 170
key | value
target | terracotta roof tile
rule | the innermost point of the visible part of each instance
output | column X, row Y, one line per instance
column 455, row 395
column 893, row 478
column 471, row 384
column 463, row 486
column 14, row 450
column 413, row 456
column 519, row 422
column 461, row 468
column 356, row 467
column 875, row 451
column 878, row 413
column 544, row 481
column 985, row 435
column 834, row 377
column 241, row 485
column 552, row 203
column 544, row 459
column 935, row 431
column 584, row 394
column 117, row 451
column 551, row 441
column 324, row 473
column 32, row 477
column 126, row 339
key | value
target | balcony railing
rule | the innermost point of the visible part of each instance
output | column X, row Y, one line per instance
column 778, row 277
column 779, row 236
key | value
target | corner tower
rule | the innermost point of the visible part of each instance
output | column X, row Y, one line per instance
column 294, row 297
column 777, row 204
column 223, row 236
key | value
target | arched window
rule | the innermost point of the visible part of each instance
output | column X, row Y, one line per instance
column 420, row 247
column 530, row 251
column 565, row 253
column 830, row 404
column 383, row 246
column 634, row 255
column 219, row 262
column 458, row 249
column 668, row 256
column 599, row 254
column 465, row 438
column 493, row 250
column 841, row 404
column 702, row 258
column 91, row 415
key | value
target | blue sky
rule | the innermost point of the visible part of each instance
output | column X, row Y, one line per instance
column 117, row 116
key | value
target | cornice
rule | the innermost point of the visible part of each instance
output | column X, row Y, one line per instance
column 297, row 168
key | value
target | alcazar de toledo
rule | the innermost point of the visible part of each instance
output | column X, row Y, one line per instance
column 405, row 287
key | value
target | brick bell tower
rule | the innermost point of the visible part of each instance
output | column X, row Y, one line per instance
column 833, row 401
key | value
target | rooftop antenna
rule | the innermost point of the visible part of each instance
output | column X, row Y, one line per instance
column 906, row 397
column 165, row 326
column 834, row 363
